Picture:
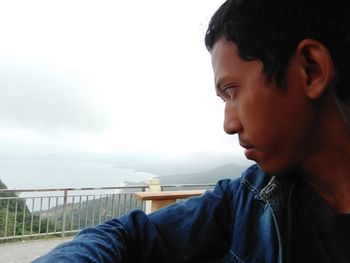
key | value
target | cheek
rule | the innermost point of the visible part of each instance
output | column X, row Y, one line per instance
column 286, row 129
column 271, row 117
column 259, row 117
column 268, row 124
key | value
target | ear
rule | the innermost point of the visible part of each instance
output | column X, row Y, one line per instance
column 318, row 67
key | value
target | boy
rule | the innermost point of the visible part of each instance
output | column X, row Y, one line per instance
column 282, row 69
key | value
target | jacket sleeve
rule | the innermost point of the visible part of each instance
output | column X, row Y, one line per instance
column 196, row 230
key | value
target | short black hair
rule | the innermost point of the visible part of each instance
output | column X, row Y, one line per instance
column 270, row 30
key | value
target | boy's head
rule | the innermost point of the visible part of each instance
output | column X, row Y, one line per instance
column 302, row 49
column 270, row 31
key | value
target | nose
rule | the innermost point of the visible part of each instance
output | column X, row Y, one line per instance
column 232, row 125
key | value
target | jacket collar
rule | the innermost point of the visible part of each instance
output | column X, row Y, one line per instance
column 277, row 186
column 271, row 189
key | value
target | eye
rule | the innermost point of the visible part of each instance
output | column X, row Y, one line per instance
column 229, row 91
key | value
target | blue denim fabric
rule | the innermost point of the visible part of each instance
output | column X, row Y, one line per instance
column 239, row 221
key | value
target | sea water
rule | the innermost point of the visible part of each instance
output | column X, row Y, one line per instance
column 39, row 174
column 19, row 174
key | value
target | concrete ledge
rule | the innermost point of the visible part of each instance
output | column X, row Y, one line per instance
column 162, row 199
column 167, row 195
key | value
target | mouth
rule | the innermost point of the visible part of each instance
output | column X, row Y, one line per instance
column 249, row 149
column 245, row 145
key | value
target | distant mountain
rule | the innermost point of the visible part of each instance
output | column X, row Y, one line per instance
column 160, row 163
column 212, row 176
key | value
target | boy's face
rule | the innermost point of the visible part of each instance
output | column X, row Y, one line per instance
column 273, row 125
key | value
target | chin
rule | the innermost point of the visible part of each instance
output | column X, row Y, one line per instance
column 278, row 169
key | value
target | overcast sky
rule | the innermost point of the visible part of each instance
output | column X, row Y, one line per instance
column 108, row 76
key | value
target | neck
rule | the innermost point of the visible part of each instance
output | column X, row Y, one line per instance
column 327, row 167
column 333, row 185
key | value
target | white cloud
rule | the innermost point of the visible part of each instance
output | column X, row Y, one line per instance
column 109, row 76
column 34, row 96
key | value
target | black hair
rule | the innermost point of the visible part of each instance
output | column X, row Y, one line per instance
column 270, row 30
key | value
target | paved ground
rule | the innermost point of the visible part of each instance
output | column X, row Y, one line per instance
column 26, row 251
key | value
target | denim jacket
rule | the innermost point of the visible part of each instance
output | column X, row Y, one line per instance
column 242, row 220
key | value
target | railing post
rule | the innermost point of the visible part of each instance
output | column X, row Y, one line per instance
column 7, row 216
column 153, row 186
column 64, row 212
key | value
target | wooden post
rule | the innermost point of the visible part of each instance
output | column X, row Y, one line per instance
column 154, row 187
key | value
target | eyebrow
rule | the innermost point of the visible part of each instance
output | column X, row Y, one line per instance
column 217, row 91
column 218, row 83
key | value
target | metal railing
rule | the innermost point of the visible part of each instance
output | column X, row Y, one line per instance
column 35, row 212
column 28, row 213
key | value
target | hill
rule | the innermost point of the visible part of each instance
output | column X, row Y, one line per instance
column 212, row 176
column 12, row 211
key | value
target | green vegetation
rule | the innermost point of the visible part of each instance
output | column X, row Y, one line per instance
column 13, row 209
column 80, row 211
column 89, row 212
column 15, row 217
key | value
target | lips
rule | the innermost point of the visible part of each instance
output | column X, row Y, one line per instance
column 245, row 144
column 249, row 149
